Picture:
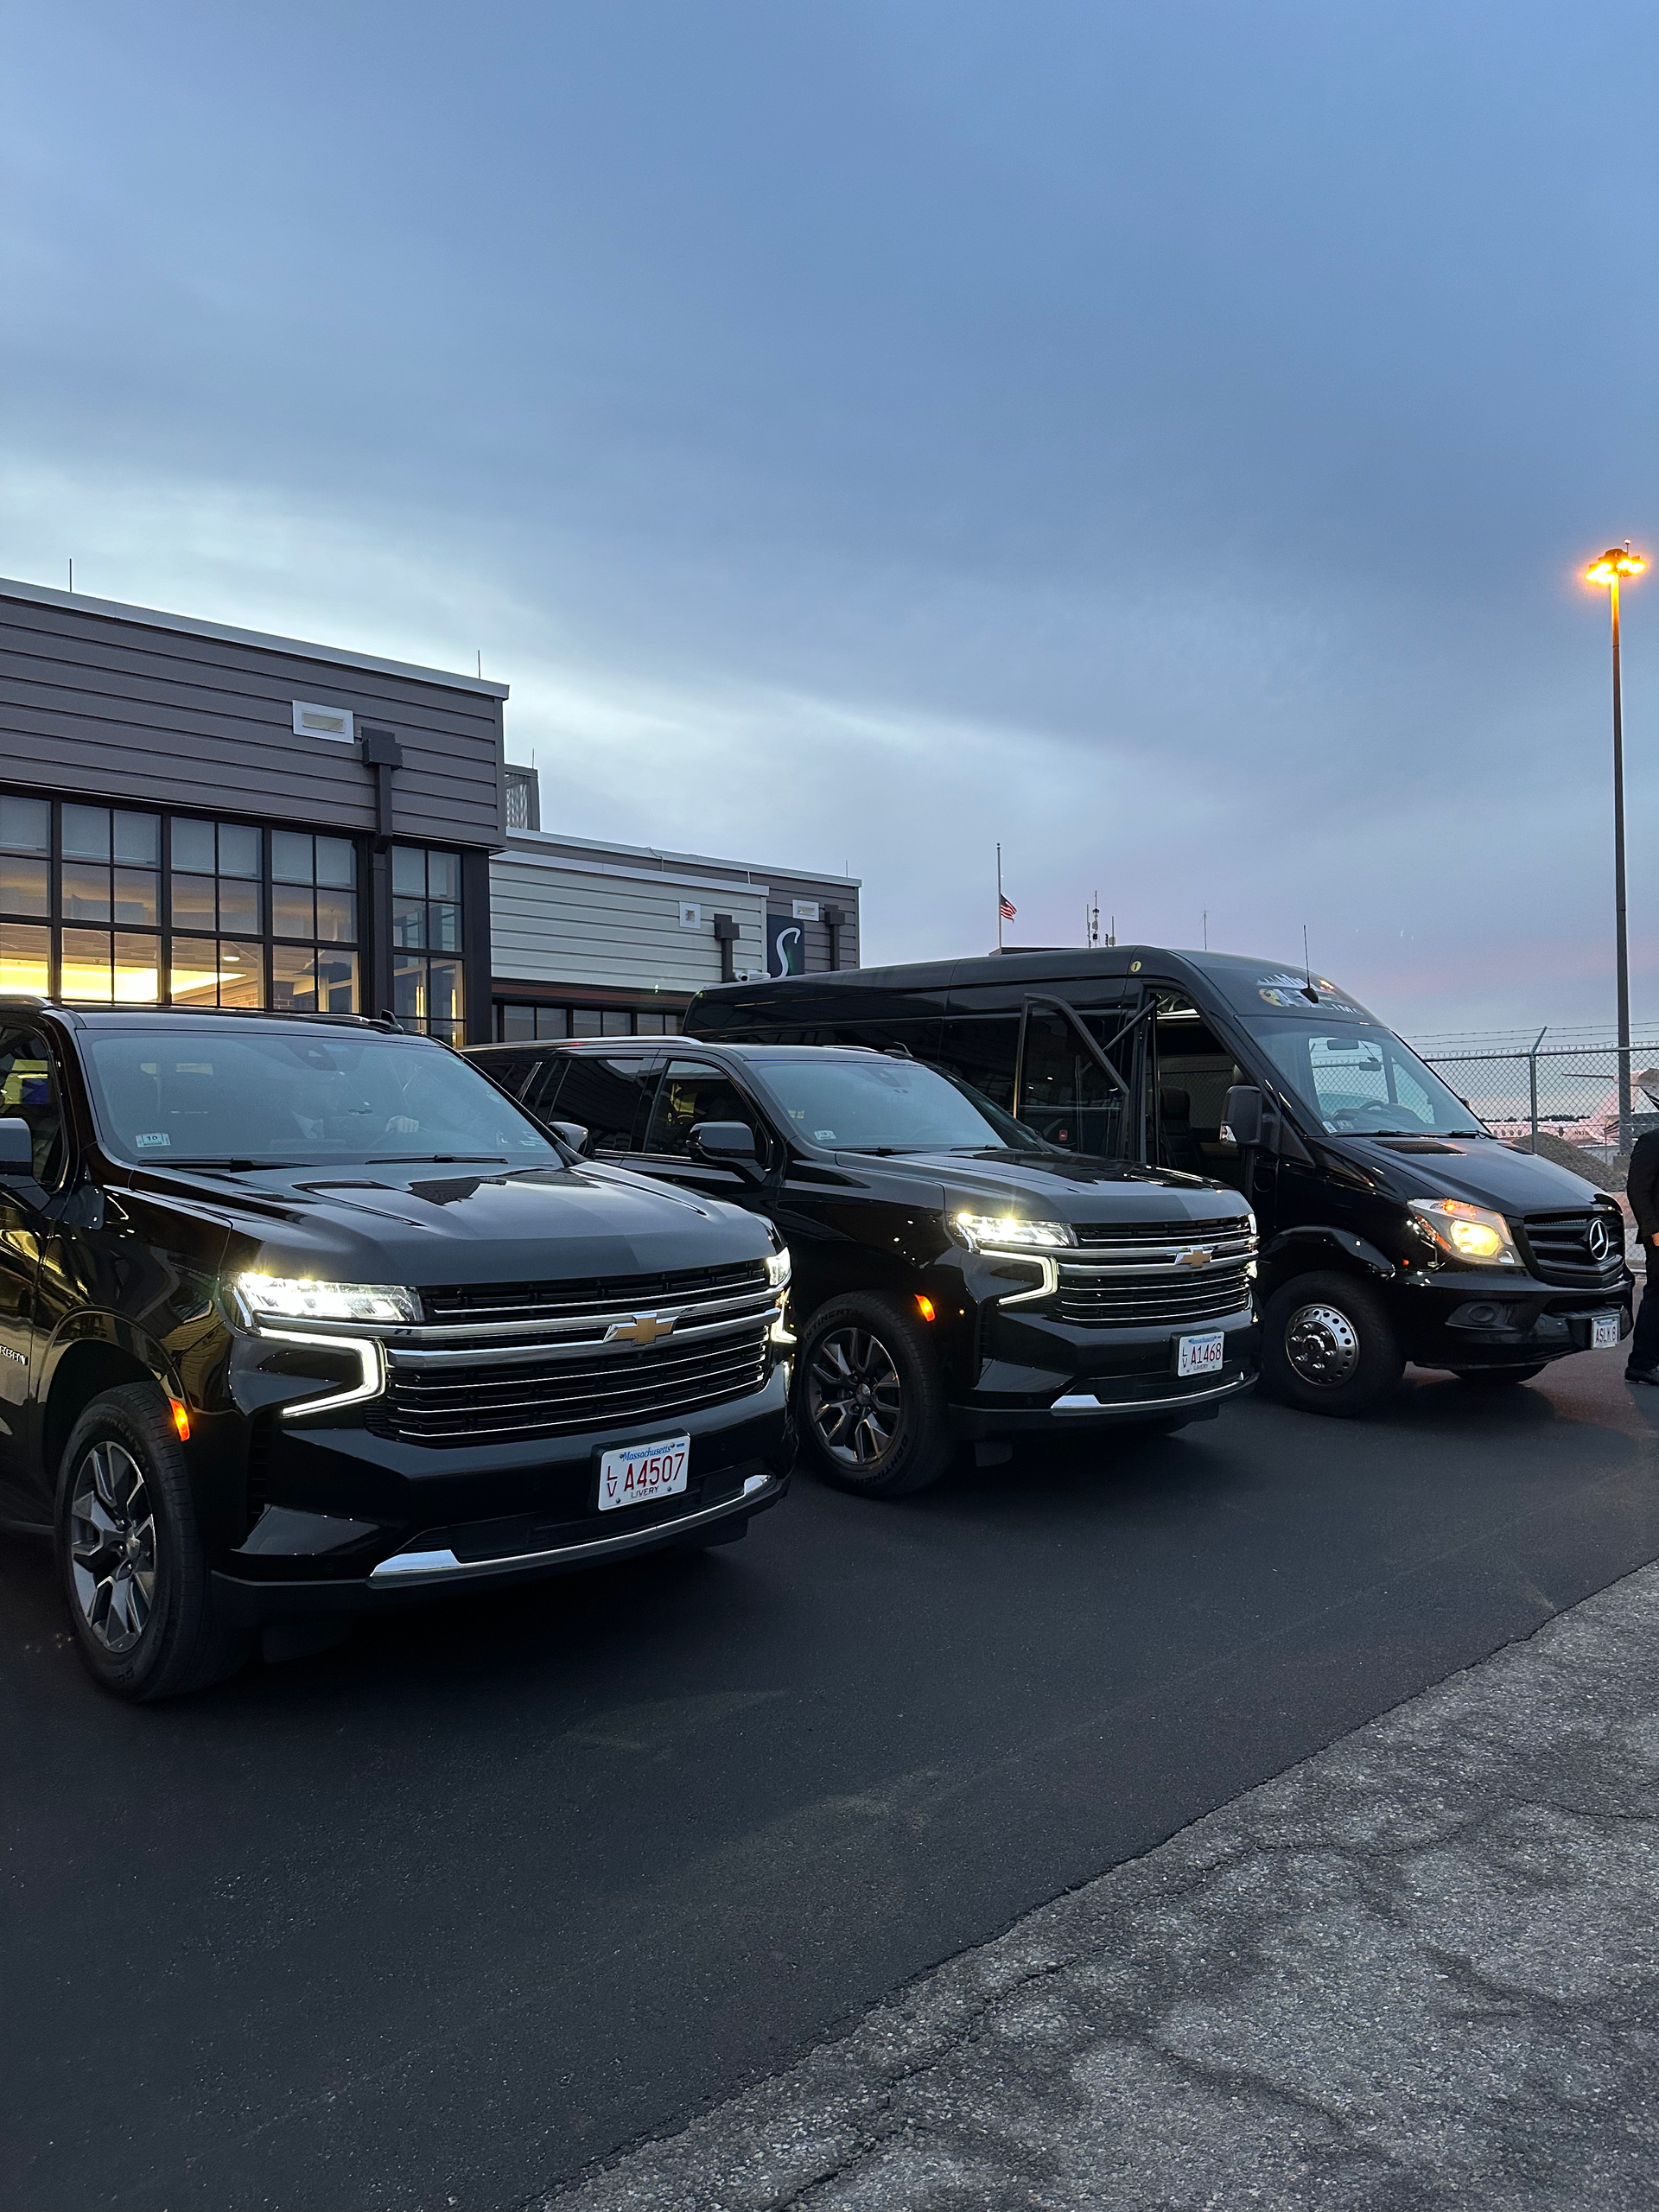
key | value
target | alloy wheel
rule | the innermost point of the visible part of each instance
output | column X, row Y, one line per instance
column 1322, row 1346
column 113, row 1546
column 854, row 1396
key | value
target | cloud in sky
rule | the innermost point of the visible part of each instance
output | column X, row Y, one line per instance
column 1161, row 440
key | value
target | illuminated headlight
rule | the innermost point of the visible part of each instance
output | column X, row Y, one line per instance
column 1468, row 1233
column 288, row 1298
column 778, row 1269
column 1010, row 1232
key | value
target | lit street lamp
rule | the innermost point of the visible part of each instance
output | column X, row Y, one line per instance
column 1618, row 562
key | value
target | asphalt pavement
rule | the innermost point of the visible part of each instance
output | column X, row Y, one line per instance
column 448, row 1915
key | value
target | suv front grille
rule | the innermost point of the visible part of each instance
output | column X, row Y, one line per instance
column 1557, row 1246
column 503, row 1361
column 1141, row 1274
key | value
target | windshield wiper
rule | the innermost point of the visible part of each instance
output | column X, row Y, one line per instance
column 433, row 1159
column 234, row 1166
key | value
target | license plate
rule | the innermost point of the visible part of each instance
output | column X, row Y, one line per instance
column 1200, row 1355
column 643, row 1472
column 1604, row 1332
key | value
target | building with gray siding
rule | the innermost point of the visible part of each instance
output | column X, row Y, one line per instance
column 598, row 939
column 197, row 815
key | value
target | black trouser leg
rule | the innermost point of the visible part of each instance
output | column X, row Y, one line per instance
column 1642, row 1346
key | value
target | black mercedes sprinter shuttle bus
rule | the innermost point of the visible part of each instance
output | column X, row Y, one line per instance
column 302, row 1316
column 1392, row 1226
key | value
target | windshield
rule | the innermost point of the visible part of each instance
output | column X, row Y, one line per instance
column 1362, row 1081
column 882, row 1105
column 191, row 1097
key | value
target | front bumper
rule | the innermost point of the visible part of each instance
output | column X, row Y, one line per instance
column 1465, row 1320
column 1044, row 1373
column 348, row 1520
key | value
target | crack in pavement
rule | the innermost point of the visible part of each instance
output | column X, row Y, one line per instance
column 1418, row 1970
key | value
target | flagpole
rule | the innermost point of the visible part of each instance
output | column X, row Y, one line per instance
column 999, row 898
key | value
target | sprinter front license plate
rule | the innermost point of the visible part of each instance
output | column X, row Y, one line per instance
column 643, row 1472
column 1200, row 1355
column 1604, row 1332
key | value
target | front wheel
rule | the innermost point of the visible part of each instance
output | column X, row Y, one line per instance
column 1328, row 1345
column 872, row 1406
column 131, row 1557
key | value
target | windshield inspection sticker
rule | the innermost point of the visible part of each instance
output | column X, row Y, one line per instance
column 160, row 1137
column 823, row 1136
column 1291, row 991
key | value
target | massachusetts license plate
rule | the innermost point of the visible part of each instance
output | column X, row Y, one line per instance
column 1604, row 1332
column 643, row 1472
column 1200, row 1355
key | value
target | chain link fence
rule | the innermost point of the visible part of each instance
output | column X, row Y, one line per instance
column 1559, row 1099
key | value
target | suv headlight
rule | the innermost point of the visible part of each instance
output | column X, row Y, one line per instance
column 288, row 1297
column 1472, row 1234
column 1010, row 1232
column 778, row 1269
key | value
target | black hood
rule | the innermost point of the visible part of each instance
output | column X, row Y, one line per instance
column 1481, row 1169
column 430, row 1225
column 1057, row 1185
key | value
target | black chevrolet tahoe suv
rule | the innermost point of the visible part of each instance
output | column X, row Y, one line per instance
column 958, row 1277
column 303, row 1316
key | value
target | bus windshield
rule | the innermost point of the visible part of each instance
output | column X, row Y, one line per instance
column 1360, row 1080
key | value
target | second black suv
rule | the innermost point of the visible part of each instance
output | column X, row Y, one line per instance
column 955, row 1275
column 299, row 1317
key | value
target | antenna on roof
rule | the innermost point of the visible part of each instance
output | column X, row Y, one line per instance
column 72, row 572
column 1206, row 929
column 1308, row 991
column 481, row 662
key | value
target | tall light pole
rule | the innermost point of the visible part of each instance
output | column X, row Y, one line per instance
column 1615, row 564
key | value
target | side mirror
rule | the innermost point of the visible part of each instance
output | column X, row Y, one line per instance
column 575, row 1135
column 16, row 1151
column 725, row 1144
column 1241, row 1116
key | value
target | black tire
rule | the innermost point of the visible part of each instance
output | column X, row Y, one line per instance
column 870, row 1400
column 1493, row 1377
column 1328, row 1346
column 130, row 1554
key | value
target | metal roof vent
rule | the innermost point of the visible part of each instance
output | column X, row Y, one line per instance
column 311, row 721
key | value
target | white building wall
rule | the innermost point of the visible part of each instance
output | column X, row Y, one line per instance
column 562, row 921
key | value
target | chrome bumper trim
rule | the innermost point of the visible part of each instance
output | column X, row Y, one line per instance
column 406, row 1567
column 1077, row 1403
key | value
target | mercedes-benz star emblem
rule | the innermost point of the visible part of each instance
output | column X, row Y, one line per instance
column 1596, row 1237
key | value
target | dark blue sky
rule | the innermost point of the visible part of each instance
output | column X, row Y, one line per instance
column 1164, row 439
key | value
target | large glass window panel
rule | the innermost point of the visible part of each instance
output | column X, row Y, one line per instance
column 337, row 862
column 336, row 981
column 408, row 988
column 584, row 1021
column 337, row 917
column 192, row 847
column 26, row 826
column 193, row 974
column 86, row 892
column 409, row 922
column 137, row 969
column 291, row 910
column 291, row 858
column 442, row 876
column 138, row 839
column 443, row 927
column 613, row 1022
column 137, row 897
column 239, row 849
column 517, row 1024
column 307, row 981
column 193, row 903
column 239, row 905
column 552, row 1021
column 87, row 833
column 24, row 885
column 25, row 959
column 408, row 871
column 87, row 973
column 444, row 996
column 241, row 973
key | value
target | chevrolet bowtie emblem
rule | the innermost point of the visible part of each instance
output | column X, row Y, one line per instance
column 1196, row 1255
column 641, row 1328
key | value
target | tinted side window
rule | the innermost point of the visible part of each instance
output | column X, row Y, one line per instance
column 608, row 1098
column 691, row 1092
column 1065, row 1095
column 508, row 1069
column 979, row 1049
column 541, row 1086
column 28, row 1092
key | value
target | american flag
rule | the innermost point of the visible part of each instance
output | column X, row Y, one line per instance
column 1006, row 907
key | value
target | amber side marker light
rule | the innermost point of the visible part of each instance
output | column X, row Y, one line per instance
column 924, row 1306
column 180, row 1419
